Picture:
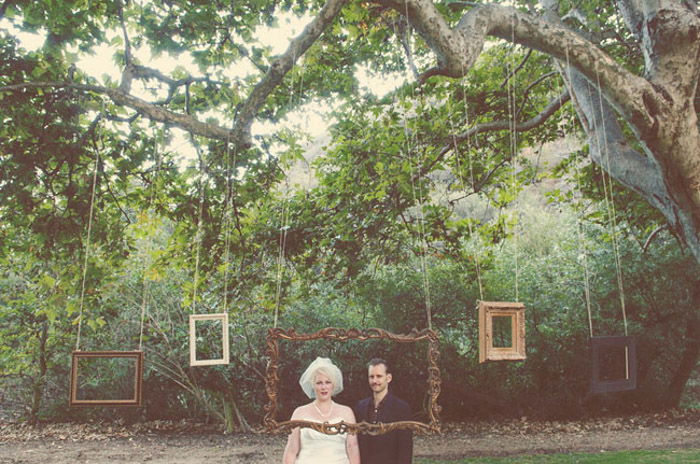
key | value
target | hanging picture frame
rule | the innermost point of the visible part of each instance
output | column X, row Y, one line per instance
column 195, row 360
column 501, row 331
column 88, row 368
column 613, row 364
column 275, row 335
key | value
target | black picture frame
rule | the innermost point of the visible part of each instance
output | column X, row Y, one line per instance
column 601, row 345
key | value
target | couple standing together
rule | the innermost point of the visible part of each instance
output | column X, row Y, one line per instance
column 321, row 381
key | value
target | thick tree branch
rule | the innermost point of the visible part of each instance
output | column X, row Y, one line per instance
column 450, row 143
column 146, row 73
column 3, row 8
column 635, row 170
column 667, row 173
column 608, row 146
column 150, row 110
column 458, row 48
column 552, row 107
column 127, row 76
column 280, row 67
column 632, row 15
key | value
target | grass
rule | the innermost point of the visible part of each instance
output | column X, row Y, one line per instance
column 618, row 457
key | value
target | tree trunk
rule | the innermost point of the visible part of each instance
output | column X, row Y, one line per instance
column 40, row 380
column 232, row 414
column 691, row 353
column 229, row 421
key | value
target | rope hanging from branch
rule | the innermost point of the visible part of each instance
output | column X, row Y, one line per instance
column 222, row 317
column 579, row 228
column 410, row 143
column 87, row 248
column 604, row 345
column 459, row 168
column 610, row 203
column 135, row 356
column 282, row 240
column 227, row 216
column 145, row 283
column 512, row 71
column 198, row 235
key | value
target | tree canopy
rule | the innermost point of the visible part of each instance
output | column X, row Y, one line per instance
column 630, row 66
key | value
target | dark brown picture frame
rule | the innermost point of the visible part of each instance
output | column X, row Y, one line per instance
column 136, row 400
column 516, row 312
column 332, row 333
column 598, row 347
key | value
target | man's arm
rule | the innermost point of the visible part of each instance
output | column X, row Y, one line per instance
column 405, row 451
column 359, row 411
column 405, row 447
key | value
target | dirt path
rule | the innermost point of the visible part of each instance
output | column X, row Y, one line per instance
column 186, row 444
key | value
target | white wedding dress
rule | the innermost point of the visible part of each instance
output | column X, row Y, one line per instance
column 319, row 448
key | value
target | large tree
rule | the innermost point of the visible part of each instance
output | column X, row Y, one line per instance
column 634, row 87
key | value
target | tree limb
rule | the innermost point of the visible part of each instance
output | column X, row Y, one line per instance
column 631, row 13
column 530, row 86
column 404, row 36
column 651, row 236
column 127, row 76
column 3, row 7
column 552, row 107
column 150, row 110
column 458, row 48
column 274, row 76
column 609, row 147
column 516, row 69
column 451, row 141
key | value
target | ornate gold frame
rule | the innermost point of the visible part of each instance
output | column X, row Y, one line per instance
column 332, row 333
column 487, row 311
column 223, row 317
column 137, row 356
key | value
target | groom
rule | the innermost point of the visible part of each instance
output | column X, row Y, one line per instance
column 395, row 447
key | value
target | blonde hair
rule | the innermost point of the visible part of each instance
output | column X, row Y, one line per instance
column 321, row 366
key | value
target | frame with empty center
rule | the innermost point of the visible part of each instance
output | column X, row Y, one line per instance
column 613, row 364
column 331, row 333
column 208, row 318
column 87, row 388
column 501, row 331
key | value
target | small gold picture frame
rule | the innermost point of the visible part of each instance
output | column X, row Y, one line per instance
column 501, row 331
column 85, row 388
column 332, row 333
column 194, row 319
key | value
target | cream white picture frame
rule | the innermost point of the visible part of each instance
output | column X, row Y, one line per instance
column 194, row 318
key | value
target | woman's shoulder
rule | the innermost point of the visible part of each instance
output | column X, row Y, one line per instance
column 301, row 411
column 343, row 407
column 345, row 411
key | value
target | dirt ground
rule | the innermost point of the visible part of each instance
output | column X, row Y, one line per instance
column 186, row 443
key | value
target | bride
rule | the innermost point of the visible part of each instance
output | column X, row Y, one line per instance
column 321, row 381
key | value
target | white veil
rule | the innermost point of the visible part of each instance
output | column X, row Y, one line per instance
column 325, row 366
